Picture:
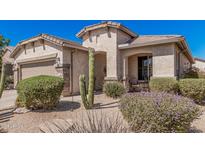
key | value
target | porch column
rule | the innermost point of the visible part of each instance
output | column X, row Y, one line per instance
column 125, row 71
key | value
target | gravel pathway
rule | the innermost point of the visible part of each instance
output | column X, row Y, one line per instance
column 69, row 108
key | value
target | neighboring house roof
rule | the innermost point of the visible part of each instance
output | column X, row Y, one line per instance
column 199, row 59
column 10, row 48
column 6, row 55
column 50, row 38
column 103, row 25
column 146, row 40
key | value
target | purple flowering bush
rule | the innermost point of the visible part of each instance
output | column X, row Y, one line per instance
column 158, row 112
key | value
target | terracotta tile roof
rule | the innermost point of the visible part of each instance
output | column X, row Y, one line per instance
column 151, row 38
column 53, row 39
column 144, row 40
column 103, row 25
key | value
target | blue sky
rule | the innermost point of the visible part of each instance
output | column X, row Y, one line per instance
column 194, row 31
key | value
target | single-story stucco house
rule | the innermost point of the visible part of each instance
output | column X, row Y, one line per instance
column 200, row 64
column 120, row 55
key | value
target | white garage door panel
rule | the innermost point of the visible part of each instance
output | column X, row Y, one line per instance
column 40, row 68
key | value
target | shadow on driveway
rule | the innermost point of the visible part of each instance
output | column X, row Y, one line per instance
column 63, row 106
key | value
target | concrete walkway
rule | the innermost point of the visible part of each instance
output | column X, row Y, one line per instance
column 8, row 99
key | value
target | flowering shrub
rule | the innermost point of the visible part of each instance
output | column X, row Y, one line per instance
column 163, row 84
column 193, row 88
column 158, row 112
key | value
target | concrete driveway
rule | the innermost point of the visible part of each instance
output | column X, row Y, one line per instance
column 8, row 99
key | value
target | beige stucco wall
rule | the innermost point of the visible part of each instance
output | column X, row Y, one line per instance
column 200, row 65
column 80, row 66
column 104, row 40
column 80, row 62
column 163, row 60
column 39, row 51
column 107, row 40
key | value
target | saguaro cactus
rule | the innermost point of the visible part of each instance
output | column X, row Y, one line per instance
column 87, row 96
column 2, row 79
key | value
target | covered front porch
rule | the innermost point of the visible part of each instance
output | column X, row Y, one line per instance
column 137, row 71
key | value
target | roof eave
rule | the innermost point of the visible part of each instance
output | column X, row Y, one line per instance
column 75, row 47
column 173, row 40
column 103, row 25
column 187, row 50
column 67, row 44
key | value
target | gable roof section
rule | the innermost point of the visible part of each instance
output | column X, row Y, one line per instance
column 6, row 55
column 148, row 40
column 10, row 48
column 103, row 25
column 52, row 39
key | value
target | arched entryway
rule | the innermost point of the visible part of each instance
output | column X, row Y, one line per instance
column 100, row 69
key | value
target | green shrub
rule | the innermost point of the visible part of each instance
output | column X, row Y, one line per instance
column 193, row 72
column 163, row 84
column 193, row 88
column 114, row 89
column 158, row 112
column 40, row 92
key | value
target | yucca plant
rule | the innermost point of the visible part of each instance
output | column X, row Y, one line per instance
column 87, row 96
column 89, row 122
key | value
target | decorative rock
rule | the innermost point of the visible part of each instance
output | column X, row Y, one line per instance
column 56, row 126
column 21, row 110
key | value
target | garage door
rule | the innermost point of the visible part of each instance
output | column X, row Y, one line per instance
column 40, row 68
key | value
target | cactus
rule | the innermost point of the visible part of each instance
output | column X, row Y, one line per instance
column 2, row 82
column 87, row 96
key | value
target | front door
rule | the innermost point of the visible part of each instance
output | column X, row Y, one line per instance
column 144, row 68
